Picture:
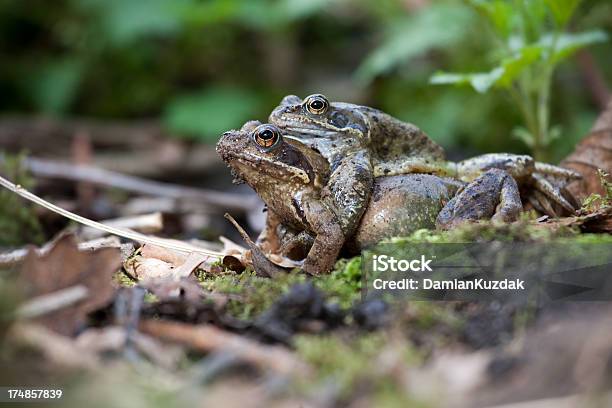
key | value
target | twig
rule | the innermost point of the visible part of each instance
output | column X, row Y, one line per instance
column 51, row 302
column 211, row 339
column 125, row 233
column 96, row 175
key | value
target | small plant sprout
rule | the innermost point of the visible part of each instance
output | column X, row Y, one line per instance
column 532, row 40
column 594, row 200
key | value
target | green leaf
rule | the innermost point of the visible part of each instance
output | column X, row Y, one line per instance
column 567, row 44
column 436, row 26
column 499, row 12
column 524, row 135
column 554, row 133
column 124, row 21
column 296, row 9
column 562, row 10
column 533, row 17
column 515, row 65
column 501, row 76
column 480, row 81
column 210, row 112
column 53, row 85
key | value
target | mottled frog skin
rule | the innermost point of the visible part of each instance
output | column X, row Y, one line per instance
column 394, row 147
column 293, row 180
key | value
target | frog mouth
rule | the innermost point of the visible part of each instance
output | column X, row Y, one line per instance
column 304, row 126
column 294, row 132
column 268, row 167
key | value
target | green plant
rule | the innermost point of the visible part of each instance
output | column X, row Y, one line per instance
column 532, row 39
column 595, row 201
column 18, row 222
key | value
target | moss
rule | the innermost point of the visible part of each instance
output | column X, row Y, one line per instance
column 521, row 231
column 123, row 279
column 252, row 294
column 426, row 315
column 353, row 364
column 590, row 239
column 596, row 201
column 343, row 284
column 18, row 222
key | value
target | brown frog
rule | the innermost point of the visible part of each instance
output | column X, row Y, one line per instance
column 395, row 147
column 292, row 179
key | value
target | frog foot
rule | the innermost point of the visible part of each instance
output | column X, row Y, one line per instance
column 493, row 195
column 545, row 183
column 297, row 247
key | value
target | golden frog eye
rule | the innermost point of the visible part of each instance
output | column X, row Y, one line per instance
column 316, row 104
column 266, row 136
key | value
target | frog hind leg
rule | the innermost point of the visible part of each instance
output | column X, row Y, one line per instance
column 493, row 195
column 297, row 247
column 543, row 177
column 510, row 205
column 551, row 191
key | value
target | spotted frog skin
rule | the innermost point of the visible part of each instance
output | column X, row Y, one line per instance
column 293, row 181
column 394, row 147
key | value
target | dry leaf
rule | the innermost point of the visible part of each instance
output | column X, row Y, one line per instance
column 172, row 257
column 141, row 268
column 592, row 153
column 65, row 266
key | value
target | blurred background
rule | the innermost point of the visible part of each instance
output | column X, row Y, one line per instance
column 200, row 67
column 146, row 87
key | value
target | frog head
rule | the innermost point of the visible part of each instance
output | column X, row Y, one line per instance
column 260, row 156
column 316, row 116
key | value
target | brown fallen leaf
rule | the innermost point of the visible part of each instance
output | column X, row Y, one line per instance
column 153, row 251
column 597, row 221
column 64, row 266
column 142, row 269
column 187, row 289
column 592, row 153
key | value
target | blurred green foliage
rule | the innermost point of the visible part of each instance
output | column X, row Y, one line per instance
column 531, row 42
column 204, row 66
column 18, row 223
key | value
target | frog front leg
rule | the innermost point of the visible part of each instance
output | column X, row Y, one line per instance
column 328, row 237
column 494, row 195
column 349, row 188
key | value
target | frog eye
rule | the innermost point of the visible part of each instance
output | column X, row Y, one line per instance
column 316, row 104
column 266, row 136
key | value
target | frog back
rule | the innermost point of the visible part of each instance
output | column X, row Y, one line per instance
column 401, row 205
column 392, row 139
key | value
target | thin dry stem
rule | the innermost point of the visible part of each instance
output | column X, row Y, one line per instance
column 125, row 233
